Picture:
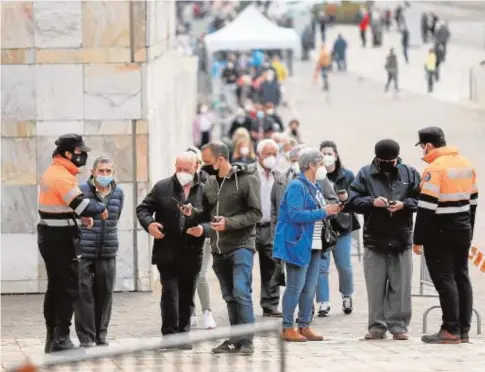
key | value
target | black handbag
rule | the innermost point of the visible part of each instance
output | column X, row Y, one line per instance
column 329, row 236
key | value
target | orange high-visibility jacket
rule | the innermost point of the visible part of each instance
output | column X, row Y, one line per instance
column 61, row 202
column 449, row 194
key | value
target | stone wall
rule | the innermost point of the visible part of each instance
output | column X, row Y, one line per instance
column 104, row 69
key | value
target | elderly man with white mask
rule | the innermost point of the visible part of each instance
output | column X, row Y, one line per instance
column 178, row 241
column 267, row 152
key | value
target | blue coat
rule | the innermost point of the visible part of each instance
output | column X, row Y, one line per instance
column 101, row 241
column 296, row 221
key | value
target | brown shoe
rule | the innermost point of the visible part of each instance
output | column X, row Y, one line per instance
column 442, row 337
column 375, row 335
column 291, row 335
column 400, row 336
column 310, row 335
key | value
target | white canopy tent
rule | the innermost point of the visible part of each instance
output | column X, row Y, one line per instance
column 252, row 30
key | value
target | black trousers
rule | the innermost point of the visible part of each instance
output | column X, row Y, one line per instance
column 93, row 308
column 447, row 260
column 270, row 290
column 62, row 279
column 177, row 302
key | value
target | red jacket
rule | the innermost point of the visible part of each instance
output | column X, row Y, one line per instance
column 364, row 23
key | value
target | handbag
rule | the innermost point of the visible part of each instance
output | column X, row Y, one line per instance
column 329, row 236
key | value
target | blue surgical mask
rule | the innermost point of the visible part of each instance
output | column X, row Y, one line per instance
column 104, row 180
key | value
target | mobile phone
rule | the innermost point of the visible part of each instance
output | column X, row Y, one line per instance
column 341, row 191
column 178, row 203
column 392, row 202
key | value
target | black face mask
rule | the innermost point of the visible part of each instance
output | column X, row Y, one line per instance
column 209, row 169
column 386, row 166
column 294, row 132
column 79, row 160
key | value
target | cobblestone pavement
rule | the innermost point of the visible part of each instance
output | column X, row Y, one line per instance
column 356, row 114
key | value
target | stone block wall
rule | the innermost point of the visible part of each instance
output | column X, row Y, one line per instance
column 104, row 69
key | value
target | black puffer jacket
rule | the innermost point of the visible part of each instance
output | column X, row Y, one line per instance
column 101, row 241
column 158, row 206
column 383, row 231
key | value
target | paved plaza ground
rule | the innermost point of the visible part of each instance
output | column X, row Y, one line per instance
column 355, row 114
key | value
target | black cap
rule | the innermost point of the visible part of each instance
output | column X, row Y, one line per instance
column 69, row 142
column 387, row 149
column 432, row 135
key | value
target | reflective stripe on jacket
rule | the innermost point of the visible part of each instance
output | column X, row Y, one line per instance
column 449, row 194
column 58, row 188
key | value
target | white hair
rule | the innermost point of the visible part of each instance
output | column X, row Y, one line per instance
column 266, row 142
column 187, row 156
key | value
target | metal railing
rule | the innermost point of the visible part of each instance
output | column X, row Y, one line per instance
column 477, row 85
column 425, row 280
column 171, row 354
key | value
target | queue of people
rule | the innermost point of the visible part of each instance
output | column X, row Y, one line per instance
column 295, row 219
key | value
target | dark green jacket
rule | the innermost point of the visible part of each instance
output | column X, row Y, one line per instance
column 237, row 199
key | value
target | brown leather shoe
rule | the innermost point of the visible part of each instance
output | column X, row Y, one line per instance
column 291, row 335
column 310, row 335
column 400, row 336
column 375, row 335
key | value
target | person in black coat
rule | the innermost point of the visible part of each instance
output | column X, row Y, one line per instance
column 386, row 193
column 98, row 248
column 178, row 241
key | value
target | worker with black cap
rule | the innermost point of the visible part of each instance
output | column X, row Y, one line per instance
column 386, row 192
column 444, row 226
column 62, row 208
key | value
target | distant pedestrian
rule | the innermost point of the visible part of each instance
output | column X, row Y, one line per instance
column 405, row 43
column 392, row 70
column 430, row 69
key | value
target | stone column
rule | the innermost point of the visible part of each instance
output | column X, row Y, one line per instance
column 104, row 69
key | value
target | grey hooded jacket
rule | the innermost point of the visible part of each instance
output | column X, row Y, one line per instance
column 238, row 200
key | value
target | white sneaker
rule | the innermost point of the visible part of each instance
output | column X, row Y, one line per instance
column 324, row 309
column 209, row 322
column 193, row 322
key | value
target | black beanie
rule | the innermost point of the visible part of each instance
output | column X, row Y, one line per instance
column 387, row 149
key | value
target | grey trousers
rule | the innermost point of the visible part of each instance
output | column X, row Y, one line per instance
column 203, row 290
column 270, row 291
column 93, row 308
column 388, row 281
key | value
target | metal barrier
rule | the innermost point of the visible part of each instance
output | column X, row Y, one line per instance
column 477, row 85
column 169, row 354
column 424, row 279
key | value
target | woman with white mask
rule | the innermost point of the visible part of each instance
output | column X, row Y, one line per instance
column 344, row 224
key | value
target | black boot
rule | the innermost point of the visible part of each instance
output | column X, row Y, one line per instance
column 48, row 339
column 61, row 341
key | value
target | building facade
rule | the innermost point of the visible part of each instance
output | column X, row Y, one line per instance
column 104, row 69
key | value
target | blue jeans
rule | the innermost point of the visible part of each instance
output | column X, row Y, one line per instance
column 325, row 71
column 342, row 256
column 301, row 283
column 234, row 271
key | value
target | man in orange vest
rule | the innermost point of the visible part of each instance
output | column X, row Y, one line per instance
column 324, row 64
column 62, row 209
column 444, row 226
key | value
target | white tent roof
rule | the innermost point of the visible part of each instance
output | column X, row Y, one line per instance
column 252, row 30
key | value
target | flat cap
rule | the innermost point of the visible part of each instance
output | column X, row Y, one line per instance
column 71, row 141
column 430, row 135
column 387, row 149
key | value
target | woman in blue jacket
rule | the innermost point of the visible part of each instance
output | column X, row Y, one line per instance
column 302, row 205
